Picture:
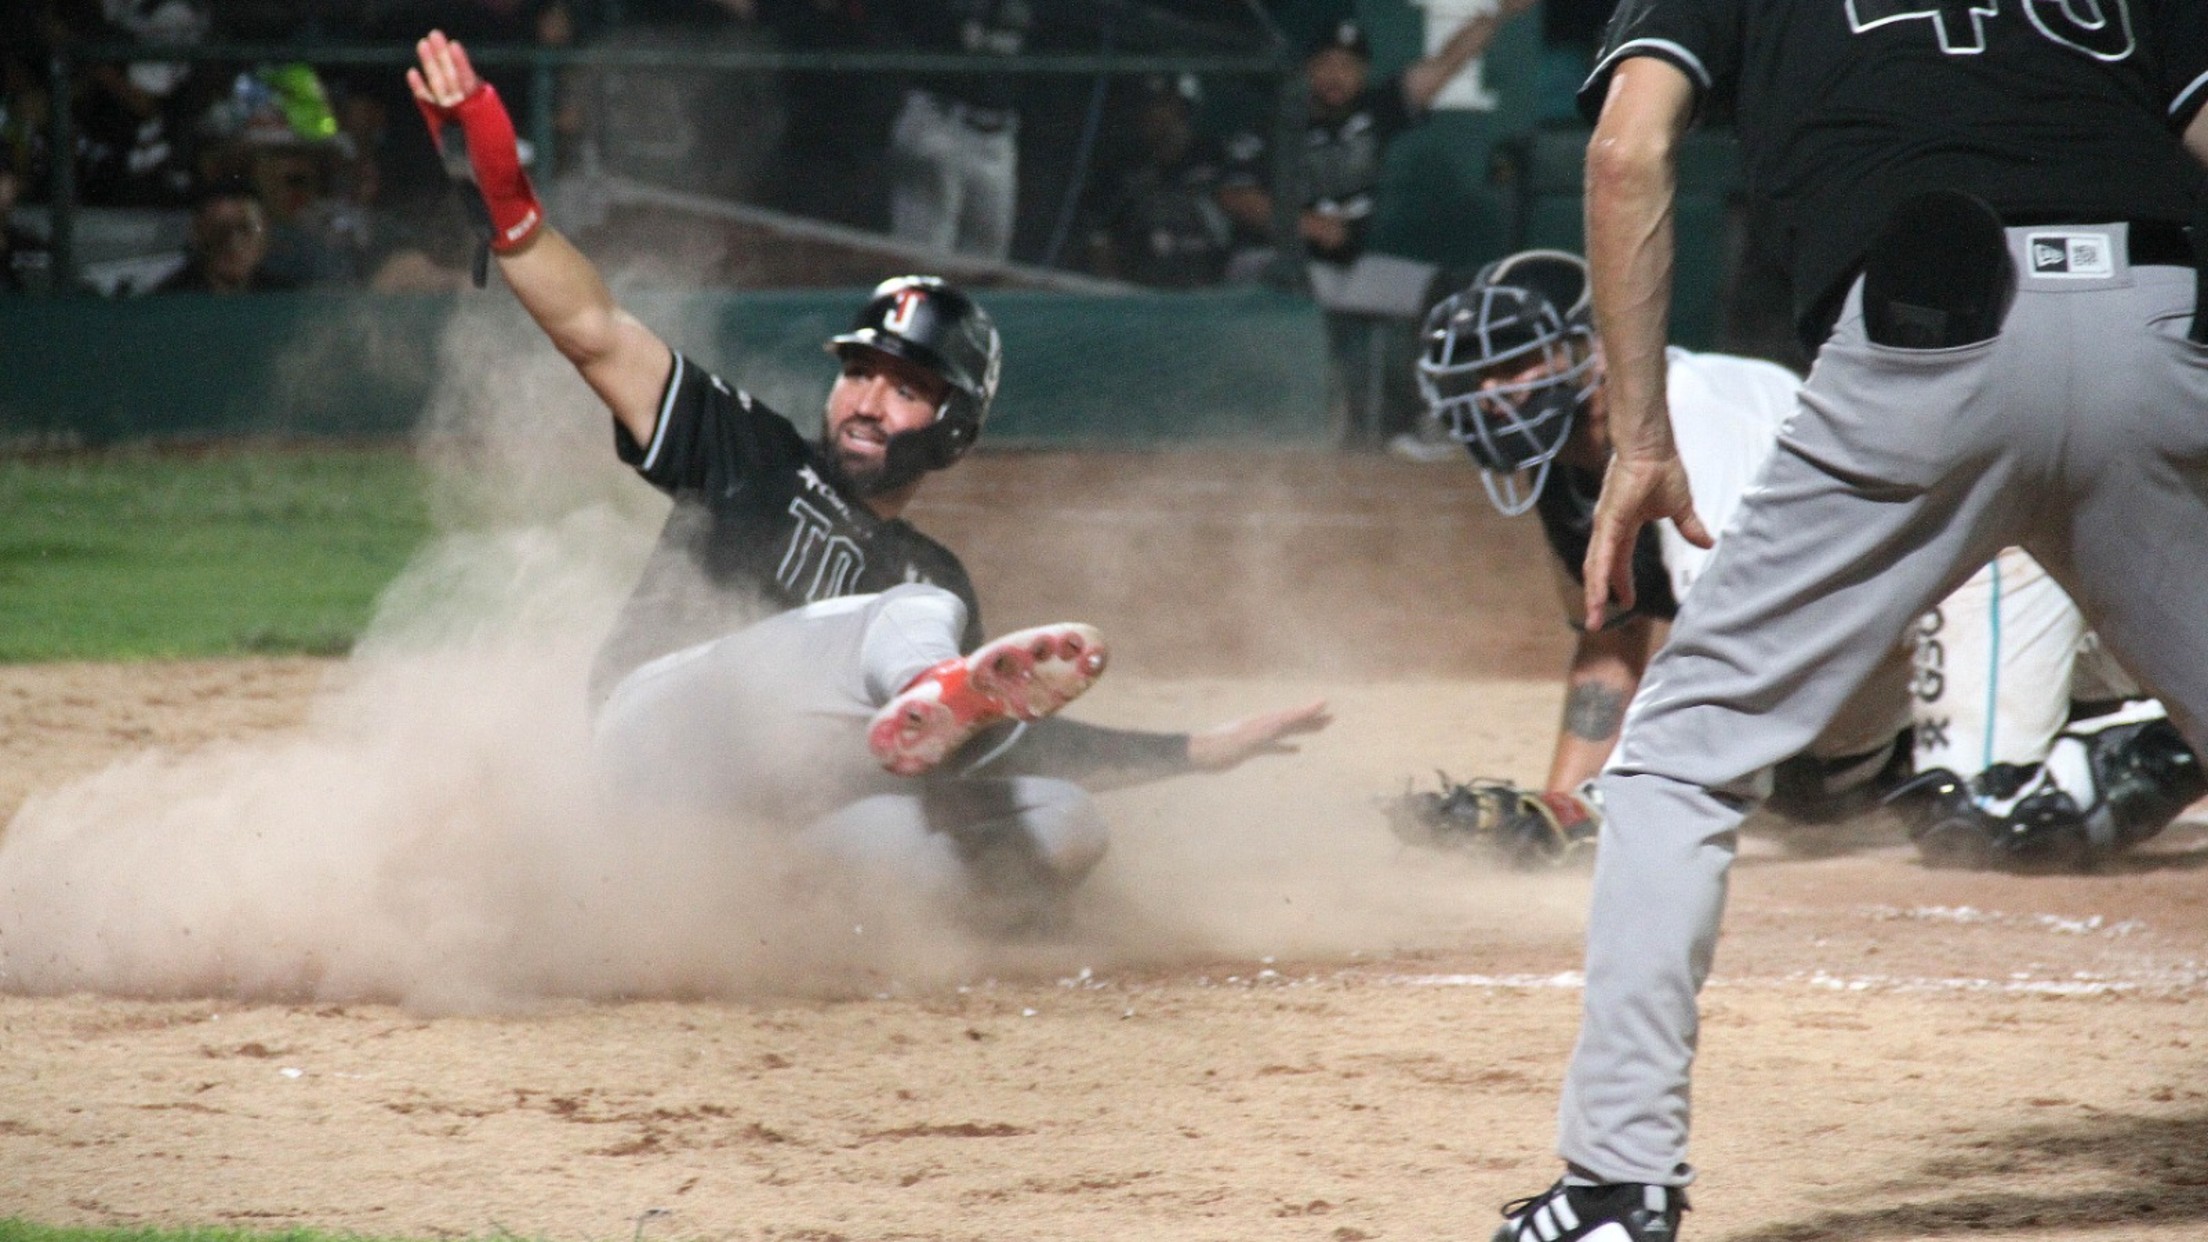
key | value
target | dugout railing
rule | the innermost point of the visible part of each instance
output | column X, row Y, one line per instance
column 1227, row 363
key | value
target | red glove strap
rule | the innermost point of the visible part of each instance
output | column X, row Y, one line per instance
column 496, row 157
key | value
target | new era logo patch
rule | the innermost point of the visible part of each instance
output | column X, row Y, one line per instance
column 2076, row 256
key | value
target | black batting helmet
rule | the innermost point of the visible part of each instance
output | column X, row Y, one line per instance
column 1526, row 312
column 932, row 324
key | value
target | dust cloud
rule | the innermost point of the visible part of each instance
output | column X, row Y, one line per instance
column 436, row 834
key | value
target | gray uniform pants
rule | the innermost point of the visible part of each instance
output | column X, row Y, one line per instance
column 2080, row 433
column 768, row 726
column 952, row 187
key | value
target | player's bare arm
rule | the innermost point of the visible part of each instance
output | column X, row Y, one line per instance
column 2196, row 136
column 1631, row 186
column 1226, row 745
column 623, row 361
column 1605, row 673
column 1425, row 79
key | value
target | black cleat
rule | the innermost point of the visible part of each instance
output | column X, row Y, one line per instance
column 1618, row 1212
column 1945, row 823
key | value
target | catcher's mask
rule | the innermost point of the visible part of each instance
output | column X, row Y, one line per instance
column 932, row 324
column 1526, row 312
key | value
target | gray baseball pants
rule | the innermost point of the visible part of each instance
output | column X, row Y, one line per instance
column 952, row 187
column 2079, row 433
column 768, row 725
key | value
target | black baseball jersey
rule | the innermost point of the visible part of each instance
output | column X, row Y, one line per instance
column 991, row 27
column 1342, row 157
column 1566, row 507
column 763, row 523
column 2050, row 110
column 1165, row 225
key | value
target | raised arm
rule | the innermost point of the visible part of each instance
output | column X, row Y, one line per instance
column 1424, row 80
column 1631, row 180
column 623, row 361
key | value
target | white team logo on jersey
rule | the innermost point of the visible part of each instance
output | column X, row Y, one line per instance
column 2071, row 256
column 818, row 564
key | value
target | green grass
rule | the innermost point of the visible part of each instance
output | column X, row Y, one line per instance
column 147, row 556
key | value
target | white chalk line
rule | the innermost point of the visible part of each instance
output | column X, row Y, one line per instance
column 2170, row 983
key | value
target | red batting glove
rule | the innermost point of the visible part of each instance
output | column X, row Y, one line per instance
column 495, row 156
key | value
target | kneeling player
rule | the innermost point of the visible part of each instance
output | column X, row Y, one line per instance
column 1512, row 366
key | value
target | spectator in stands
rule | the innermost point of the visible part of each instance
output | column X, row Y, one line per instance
column 433, row 252
column 279, row 128
column 24, row 123
column 25, row 117
column 315, row 237
column 1372, row 303
column 1351, row 120
column 829, row 166
column 1162, row 223
column 25, row 265
column 954, row 151
column 135, row 120
column 229, row 244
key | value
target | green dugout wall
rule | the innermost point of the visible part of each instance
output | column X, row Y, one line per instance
column 1114, row 371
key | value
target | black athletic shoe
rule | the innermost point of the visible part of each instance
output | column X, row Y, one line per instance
column 1949, row 829
column 1618, row 1212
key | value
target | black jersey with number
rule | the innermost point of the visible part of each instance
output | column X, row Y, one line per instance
column 762, row 523
column 1566, row 507
column 2050, row 110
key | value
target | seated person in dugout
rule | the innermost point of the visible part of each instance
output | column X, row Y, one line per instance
column 2033, row 749
column 796, row 653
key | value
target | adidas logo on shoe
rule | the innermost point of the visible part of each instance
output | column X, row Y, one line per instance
column 1620, row 1212
column 1022, row 676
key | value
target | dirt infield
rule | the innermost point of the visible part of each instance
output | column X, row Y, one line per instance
column 1266, row 1019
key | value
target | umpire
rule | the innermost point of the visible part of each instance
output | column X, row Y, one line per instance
column 1988, row 206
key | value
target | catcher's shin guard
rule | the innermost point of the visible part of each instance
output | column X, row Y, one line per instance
column 1022, row 676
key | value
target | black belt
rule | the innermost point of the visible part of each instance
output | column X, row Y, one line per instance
column 2160, row 243
column 974, row 116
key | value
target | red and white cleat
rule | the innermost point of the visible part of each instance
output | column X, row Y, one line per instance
column 1025, row 675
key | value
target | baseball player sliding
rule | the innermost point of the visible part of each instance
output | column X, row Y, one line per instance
column 2035, row 750
column 795, row 652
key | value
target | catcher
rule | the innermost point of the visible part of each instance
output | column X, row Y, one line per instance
column 2036, row 750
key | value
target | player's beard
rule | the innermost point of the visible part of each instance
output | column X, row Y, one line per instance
column 899, row 464
column 857, row 475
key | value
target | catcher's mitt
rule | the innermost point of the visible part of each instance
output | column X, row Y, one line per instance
column 1528, row 830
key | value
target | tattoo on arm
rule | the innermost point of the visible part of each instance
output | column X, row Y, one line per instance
column 1594, row 711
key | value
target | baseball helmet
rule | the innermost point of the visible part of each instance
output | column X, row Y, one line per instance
column 1527, row 310
column 932, row 324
